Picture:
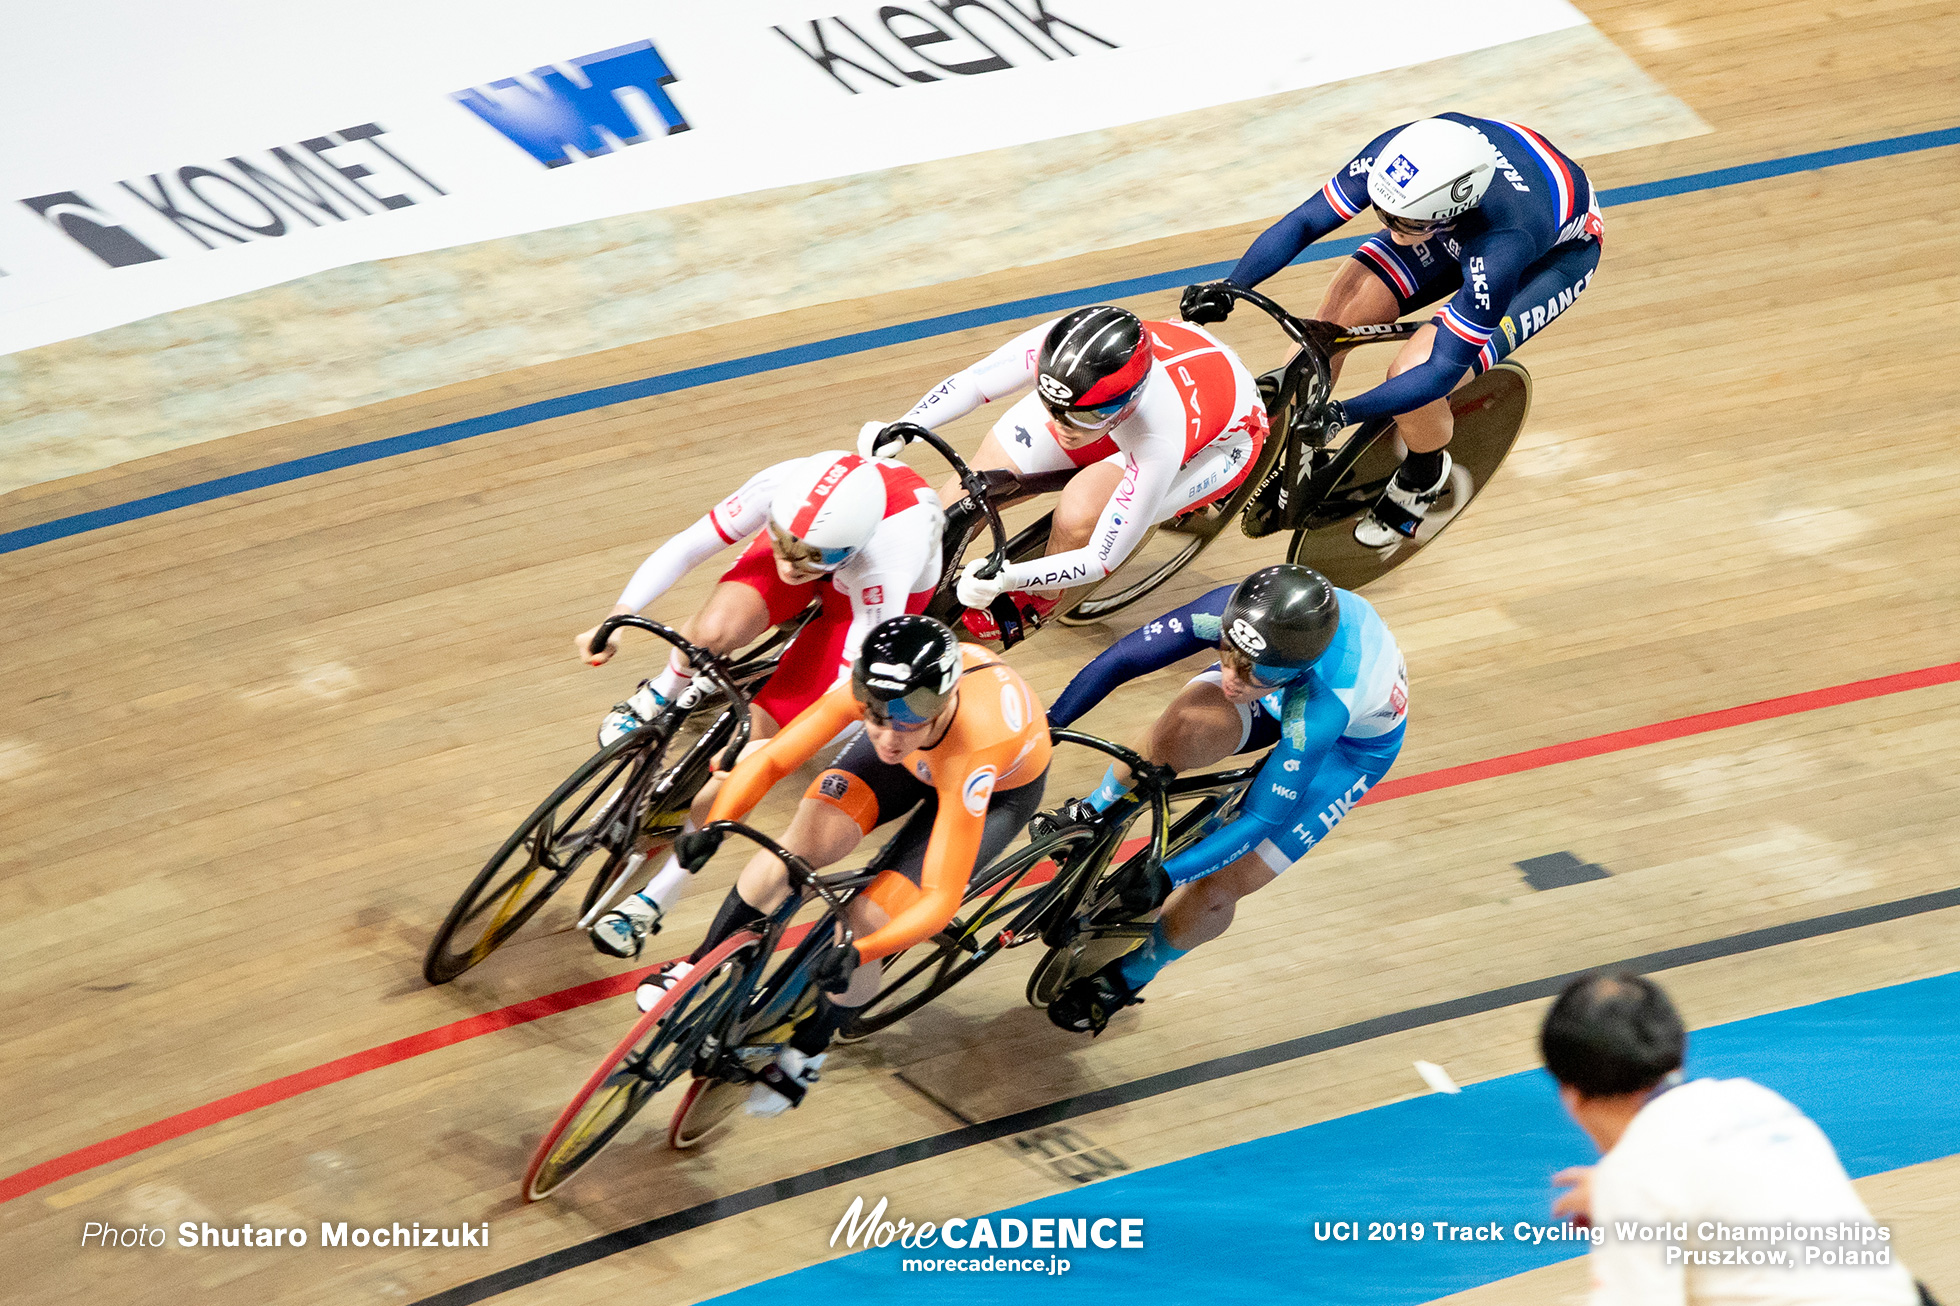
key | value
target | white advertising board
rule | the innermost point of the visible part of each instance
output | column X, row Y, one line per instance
column 160, row 156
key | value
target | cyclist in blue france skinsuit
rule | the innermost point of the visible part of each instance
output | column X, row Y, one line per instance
column 1486, row 213
column 1301, row 665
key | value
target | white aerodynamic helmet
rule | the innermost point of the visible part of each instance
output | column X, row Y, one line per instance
column 827, row 510
column 1432, row 171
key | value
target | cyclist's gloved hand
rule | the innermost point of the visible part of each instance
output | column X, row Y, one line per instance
column 882, row 439
column 1206, row 303
column 835, row 966
column 975, row 590
column 694, row 848
column 1337, row 418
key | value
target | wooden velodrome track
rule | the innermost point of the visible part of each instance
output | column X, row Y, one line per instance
column 253, row 748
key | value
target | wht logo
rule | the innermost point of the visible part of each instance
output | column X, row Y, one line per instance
column 1054, row 389
column 1247, row 638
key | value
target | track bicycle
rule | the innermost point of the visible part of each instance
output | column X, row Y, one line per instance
column 618, row 807
column 1072, row 886
column 628, row 800
column 721, row 1023
column 1316, row 486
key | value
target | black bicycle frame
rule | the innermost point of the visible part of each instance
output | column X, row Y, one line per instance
column 1299, row 409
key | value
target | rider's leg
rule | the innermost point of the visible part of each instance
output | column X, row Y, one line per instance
column 1196, row 913
column 1076, row 514
column 820, row 833
column 1358, row 296
column 734, row 615
column 1199, row 728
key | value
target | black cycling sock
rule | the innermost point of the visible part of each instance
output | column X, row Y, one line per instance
column 1419, row 471
column 814, row 1031
column 735, row 915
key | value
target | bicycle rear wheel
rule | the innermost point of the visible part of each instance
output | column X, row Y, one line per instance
column 664, row 1044
column 591, row 812
column 1006, row 905
column 1490, row 412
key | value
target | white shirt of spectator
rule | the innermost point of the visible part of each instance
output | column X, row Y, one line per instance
column 1732, row 1151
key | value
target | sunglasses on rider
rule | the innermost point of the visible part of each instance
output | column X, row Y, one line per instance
column 1091, row 419
column 1409, row 226
column 803, row 556
column 1258, row 676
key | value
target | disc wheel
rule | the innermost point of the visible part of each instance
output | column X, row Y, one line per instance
column 1005, row 905
column 589, row 814
column 1489, row 412
column 664, row 1044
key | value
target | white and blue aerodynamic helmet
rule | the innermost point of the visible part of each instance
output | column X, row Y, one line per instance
column 1431, row 171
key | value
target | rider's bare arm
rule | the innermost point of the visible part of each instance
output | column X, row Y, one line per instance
column 1008, row 370
column 795, row 744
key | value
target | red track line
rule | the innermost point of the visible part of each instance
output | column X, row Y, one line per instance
column 1662, row 731
column 359, row 1063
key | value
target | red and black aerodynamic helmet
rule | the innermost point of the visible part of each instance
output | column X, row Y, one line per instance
column 1093, row 366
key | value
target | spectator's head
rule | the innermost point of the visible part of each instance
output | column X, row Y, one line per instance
column 1609, row 1040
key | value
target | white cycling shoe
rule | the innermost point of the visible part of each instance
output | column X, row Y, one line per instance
column 629, row 716
column 623, row 931
column 657, row 985
column 1399, row 512
column 784, row 1082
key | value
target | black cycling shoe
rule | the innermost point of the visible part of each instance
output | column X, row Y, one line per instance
column 1074, row 811
column 1086, row 1005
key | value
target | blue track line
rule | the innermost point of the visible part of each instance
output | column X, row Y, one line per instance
column 859, row 342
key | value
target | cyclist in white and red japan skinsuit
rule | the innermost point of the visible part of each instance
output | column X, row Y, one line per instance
column 1160, row 416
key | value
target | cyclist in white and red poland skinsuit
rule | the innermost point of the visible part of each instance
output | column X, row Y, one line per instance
column 1185, row 432
column 860, row 535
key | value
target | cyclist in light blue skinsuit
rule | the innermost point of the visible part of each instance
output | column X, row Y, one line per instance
column 1303, row 666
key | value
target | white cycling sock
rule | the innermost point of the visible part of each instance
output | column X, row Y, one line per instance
column 669, row 683
column 670, row 881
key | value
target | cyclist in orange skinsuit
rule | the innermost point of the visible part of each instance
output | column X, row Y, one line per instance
column 948, row 729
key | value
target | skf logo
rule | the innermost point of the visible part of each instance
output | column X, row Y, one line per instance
column 1361, row 167
column 1479, row 283
column 581, row 105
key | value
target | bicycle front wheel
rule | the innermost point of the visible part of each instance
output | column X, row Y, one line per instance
column 664, row 1044
column 1006, row 905
column 590, row 813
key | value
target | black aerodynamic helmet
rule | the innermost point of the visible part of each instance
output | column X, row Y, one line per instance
column 1093, row 365
column 1280, row 620
column 906, row 670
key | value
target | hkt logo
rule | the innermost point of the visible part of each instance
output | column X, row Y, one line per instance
column 581, row 105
